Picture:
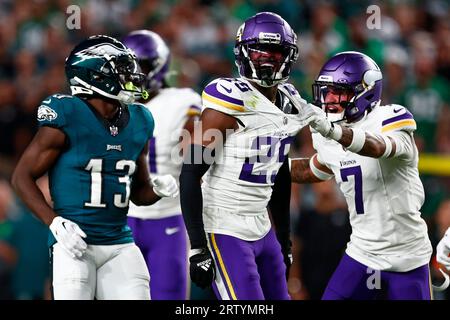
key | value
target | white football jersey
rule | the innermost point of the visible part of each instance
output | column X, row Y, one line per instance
column 238, row 186
column 170, row 109
column 384, row 196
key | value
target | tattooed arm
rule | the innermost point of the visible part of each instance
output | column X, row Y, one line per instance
column 373, row 145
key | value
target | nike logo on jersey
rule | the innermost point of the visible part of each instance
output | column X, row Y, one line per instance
column 398, row 110
column 170, row 231
column 47, row 101
column 226, row 89
column 116, row 147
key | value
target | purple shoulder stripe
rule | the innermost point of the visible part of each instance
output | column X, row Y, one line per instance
column 403, row 116
column 212, row 91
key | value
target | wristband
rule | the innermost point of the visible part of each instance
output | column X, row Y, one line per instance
column 388, row 144
column 358, row 140
column 335, row 132
column 322, row 175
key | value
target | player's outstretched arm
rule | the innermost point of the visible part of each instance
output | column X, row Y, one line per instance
column 197, row 160
column 309, row 170
column 36, row 160
column 353, row 139
column 366, row 143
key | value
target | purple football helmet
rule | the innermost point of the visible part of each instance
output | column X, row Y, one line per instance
column 265, row 49
column 152, row 54
column 358, row 81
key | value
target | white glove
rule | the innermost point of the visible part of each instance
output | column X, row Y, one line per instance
column 443, row 250
column 69, row 235
column 312, row 115
column 165, row 186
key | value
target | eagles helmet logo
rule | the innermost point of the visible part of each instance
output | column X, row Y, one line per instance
column 99, row 50
column 46, row 113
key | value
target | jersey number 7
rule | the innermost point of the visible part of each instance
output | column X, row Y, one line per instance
column 356, row 172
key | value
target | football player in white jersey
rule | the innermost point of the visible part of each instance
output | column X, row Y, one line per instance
column 159, row 230
column 247, row 125
column 369, row 149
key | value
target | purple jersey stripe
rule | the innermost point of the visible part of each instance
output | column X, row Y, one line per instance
column 152, row 155
column 403, row 116
column 212, row 91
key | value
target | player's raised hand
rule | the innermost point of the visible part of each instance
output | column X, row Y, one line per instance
column 201, row 267
column 69, row 235
column 165, row 186
column 443, row 250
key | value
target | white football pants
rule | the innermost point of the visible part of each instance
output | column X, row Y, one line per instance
column 106, row 272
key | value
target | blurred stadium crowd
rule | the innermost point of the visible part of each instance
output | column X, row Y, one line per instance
column 412, row 47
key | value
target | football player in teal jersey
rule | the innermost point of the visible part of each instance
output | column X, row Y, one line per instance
column 93, row 144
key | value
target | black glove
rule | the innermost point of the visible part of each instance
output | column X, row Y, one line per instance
column 202, row 268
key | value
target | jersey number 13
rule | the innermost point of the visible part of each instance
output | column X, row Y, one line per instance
column 95, row 166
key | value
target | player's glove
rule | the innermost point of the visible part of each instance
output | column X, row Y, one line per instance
column 318, row 121
column 165, row 186
column 69, row 235
column 313, row 116
column 443, row 250
column 202, row 268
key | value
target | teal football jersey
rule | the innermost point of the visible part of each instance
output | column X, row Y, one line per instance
column 91, row 180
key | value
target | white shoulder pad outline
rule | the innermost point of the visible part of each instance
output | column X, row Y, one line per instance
column 225, row 94
column 395, row 117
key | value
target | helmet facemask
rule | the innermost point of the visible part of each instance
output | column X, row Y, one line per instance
column 342, row 99
column 350, row 97
column 126, row 71
column 266, row 64
column 119, row 78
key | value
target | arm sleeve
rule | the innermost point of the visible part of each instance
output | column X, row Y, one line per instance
column 191, row 198
column 279, row 205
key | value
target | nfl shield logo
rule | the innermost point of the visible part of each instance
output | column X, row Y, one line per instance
column 114, row 130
